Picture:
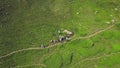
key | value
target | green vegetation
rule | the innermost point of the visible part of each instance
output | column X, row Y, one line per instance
column 31, row 23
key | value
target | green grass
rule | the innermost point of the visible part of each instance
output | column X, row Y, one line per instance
column 30, row 23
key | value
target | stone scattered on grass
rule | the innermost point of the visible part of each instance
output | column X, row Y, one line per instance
column 68, row 32
column 116, row 9
column 108, row 22
column 111, row 15
column 77, row 13
column 96, row 12
column 113, row 21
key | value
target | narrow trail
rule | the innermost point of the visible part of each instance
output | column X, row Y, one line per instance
column 95, row 58
column 98, row 32
column 82, row 61
column 38, row 48
column 42, row 65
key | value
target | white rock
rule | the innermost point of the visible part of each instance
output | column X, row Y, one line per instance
column 116, row 9
column 108, row 22
column 111, row 15
column 113, row 20
column 96, row 12
column 68, row 32
column 77, row 13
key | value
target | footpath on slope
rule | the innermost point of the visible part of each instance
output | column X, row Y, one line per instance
column 86, row 59
column 31, row 65
column 38, row 48
column 95, row 58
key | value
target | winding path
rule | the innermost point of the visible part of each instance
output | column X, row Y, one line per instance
column 31, row 65
column 38, row 48
column 91, row 35
column 95, row 58
column 82, row 61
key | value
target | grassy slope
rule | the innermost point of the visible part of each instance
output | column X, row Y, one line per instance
column 31, row 23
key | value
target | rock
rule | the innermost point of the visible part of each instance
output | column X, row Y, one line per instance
column 77, row 13
column 68, row 32
column 116, row 9
column 108, row 22
column 113, row 21
column 111, row 15
column 96, row 12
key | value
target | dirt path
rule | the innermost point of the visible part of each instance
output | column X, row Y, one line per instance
column 91, row 35
column 38, row 48
column 44, row 66
column 95, row 58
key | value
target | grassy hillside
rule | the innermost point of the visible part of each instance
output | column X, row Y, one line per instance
column 30, row 23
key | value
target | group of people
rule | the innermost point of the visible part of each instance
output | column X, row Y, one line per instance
column 61, row 38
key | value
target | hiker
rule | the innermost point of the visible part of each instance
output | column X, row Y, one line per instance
column 67, row 38
column 61, row 39
column 52, row 41
column 42, row 46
